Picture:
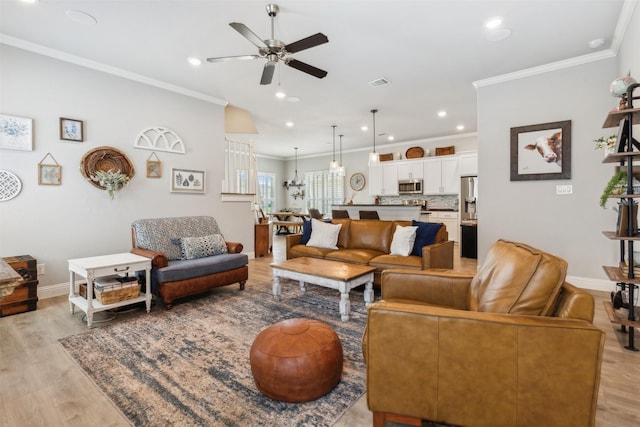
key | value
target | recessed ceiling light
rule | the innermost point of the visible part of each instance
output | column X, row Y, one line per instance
column 364, row 128
column 196, row 62
column 280, row 94
column 493, row 23
column 289, row 124
column 293, row 99
column 460, row 127
column 498, row 35
column 29, row 1
column 391, row 138
column 442, row 113
column 81, row 17
column 596, row 43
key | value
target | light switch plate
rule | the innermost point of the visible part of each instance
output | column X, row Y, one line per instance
column 564, row 189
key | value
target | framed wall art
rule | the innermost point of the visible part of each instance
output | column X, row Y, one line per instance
column 541, row 152
column 187, row 181
column 71, row 129
column 49, row 173
column 16, row 133
column 154, row 167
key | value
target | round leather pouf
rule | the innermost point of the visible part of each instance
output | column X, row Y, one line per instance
column 296, row 360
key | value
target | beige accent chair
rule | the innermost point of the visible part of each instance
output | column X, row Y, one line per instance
column 513, row 345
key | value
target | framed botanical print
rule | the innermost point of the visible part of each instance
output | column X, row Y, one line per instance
column 71, row 129
column 16, row 133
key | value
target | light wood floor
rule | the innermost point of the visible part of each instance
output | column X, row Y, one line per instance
column 41, row 386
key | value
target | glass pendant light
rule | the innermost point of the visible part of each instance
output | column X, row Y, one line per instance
column 374, row 158
column 333, row 165
column 341, row 169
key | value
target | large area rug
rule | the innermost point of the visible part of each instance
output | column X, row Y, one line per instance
column 189, row 366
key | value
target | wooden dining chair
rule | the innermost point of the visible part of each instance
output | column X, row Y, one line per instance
column 315, row 213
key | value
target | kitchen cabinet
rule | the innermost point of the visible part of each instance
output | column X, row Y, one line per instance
column 411, row 169
column 451, row 220
column 468, row 164
column 441, row 176
column 383, row 180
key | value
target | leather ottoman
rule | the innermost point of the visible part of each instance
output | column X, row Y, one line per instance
column 296, row 360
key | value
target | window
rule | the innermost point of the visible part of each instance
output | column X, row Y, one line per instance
column 323, row 189
column 266, row 187
column 240, row 168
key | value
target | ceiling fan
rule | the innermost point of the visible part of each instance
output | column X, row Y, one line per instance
column 275, row 50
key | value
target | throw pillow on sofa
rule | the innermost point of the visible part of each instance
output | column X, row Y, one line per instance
column 306, row 231
column 425, row 235
column 403, row 240
column 324, row 235
column 200, row 247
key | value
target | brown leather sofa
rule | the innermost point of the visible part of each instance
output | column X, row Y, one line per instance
column 368, row 242
column 513, row 345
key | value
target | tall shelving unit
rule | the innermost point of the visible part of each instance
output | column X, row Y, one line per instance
column 628, row 151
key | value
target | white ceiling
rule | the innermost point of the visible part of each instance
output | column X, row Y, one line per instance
column 431, row 51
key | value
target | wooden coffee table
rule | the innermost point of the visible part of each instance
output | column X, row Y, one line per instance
column 330, row 274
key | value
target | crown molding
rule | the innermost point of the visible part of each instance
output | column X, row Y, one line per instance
column 553, row 66
column 87, row 63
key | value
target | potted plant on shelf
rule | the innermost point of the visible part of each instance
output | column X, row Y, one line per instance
column 614, row 186
column 110, row 180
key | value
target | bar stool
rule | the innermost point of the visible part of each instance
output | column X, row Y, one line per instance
column 369, row 215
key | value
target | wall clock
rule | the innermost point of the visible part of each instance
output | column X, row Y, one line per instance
column 357, row 181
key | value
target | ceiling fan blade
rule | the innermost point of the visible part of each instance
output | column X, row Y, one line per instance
column 232, row 58
column 306, row 43
column 306, row 68
column 248, row 34
column 267, row 73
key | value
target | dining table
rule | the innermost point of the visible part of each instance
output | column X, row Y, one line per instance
column 285, row 220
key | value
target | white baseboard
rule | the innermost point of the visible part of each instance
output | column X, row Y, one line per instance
column 591, row 284
column 50, row 291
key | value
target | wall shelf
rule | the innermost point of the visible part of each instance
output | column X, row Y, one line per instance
column 628, row 150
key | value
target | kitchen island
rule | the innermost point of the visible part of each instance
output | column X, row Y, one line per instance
column 386, row 212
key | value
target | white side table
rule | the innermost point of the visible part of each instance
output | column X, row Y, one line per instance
column 106, row 265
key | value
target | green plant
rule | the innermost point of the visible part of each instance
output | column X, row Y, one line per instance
column 110, row 180
column 612, row 187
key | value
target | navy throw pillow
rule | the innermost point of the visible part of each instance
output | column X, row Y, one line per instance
column 425, row 235
column 306, row 231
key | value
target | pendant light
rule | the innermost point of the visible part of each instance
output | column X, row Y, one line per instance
column 295, row 181
column 333, row 165
column 341, row 170
column 374, row 158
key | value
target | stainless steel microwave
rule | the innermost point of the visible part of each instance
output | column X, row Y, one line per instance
column 410, row 186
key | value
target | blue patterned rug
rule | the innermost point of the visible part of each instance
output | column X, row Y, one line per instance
column 190, row 365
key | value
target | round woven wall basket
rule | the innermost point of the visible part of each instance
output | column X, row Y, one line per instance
column 105, row 159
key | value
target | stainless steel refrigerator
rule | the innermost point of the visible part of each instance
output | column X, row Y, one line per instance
column 469, row 197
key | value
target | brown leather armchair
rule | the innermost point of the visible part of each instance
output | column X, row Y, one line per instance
column 513, row 345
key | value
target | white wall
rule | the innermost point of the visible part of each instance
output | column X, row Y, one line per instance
column 75, row 219
column 530, row 211
column 569, row 226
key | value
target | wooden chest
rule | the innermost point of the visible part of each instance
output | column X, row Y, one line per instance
column 25, row 296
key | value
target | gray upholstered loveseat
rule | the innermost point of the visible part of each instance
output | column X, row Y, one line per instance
column 188, row 256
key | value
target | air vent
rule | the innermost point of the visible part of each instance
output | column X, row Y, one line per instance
column 379, row 82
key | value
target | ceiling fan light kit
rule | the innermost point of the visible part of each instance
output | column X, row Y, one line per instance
column 274, row 50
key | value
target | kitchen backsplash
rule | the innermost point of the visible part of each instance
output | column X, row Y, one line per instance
column 433, row 202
